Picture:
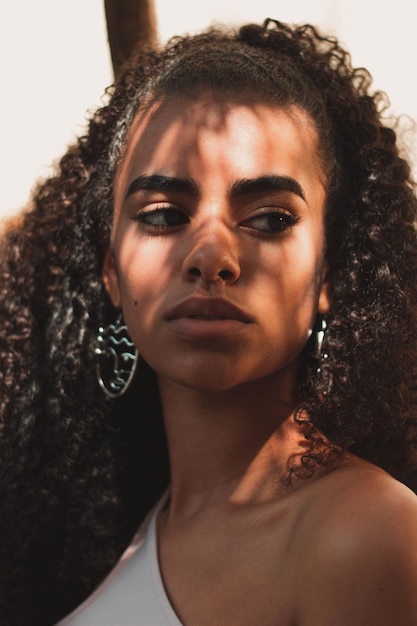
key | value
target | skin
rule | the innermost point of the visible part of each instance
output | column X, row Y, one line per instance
column 181, row 254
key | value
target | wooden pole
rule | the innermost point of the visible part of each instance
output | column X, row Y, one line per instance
column 129, row 23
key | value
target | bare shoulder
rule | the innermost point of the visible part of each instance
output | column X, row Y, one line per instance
column 359, row 534
column 359, row 492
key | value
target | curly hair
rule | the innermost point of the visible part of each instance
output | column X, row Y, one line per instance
column 79, row 471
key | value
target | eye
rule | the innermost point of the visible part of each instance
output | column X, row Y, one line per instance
column 271, row 223
column 162, row 217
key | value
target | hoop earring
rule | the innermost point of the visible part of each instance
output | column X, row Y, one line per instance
column 326, row 381
column 117, row 358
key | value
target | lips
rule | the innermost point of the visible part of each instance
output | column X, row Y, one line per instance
column 209, row 309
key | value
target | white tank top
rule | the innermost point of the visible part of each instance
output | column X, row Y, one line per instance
column 133, row 593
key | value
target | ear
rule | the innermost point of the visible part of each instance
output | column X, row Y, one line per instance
column 324, row 302
column 110, row 278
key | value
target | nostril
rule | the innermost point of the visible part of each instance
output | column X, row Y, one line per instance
column 225, row 275
column 194, row 271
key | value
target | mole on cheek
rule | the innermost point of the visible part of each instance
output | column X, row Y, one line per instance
column 135, row 302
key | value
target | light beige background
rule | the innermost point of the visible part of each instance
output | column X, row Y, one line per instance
column 55, row 64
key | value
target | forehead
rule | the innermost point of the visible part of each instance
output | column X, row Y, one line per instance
column 254, row 136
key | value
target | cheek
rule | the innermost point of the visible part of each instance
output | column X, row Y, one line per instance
column 144, row 272
column 300, row 278
column 302, row 258
column 139, row 293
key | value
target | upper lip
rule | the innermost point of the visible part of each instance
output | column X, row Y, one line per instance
column 208, row 306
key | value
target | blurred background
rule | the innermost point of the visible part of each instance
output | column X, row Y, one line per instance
column 55, row 62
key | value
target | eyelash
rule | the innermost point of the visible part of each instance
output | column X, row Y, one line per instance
column 284, row 220
column 163, row 211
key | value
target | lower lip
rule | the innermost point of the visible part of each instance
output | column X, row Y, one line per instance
column 207, row 329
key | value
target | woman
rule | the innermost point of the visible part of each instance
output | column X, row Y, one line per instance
column 237, row 223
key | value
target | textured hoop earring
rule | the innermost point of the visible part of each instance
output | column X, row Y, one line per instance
column 322, row 355
column 117, row 358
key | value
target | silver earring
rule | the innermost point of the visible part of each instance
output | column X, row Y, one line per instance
column 322, row 356
column 320, row 334
column 117, row 358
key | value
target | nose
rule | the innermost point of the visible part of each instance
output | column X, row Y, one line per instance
column 213, row 255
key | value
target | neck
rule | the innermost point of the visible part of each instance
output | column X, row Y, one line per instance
column 231, row 445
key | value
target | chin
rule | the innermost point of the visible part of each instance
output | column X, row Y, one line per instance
column 206, row 385
column 205, row 382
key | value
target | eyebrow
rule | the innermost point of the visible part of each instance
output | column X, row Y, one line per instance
column 157, row 182
column 267, row 183
column 262, row 184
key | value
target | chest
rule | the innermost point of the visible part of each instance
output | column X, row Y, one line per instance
column 241, row 571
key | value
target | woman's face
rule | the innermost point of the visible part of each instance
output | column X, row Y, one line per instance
column 218, row 240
